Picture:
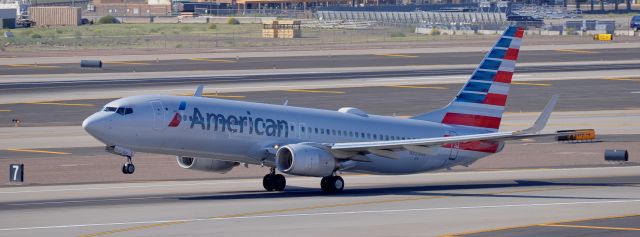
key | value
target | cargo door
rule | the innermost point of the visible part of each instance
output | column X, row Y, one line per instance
column 455, row 147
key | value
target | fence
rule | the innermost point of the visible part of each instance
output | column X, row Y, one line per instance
column 238, row 39
column 416, row 18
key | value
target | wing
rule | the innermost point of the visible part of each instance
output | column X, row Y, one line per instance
column 382, row 147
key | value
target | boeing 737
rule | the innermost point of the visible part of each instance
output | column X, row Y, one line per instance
column 217, row 135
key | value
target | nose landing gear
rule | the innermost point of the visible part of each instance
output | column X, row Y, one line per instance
column 274, row 182
column 128, row 167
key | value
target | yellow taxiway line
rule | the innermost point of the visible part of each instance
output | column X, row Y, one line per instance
column 574, row 51
column 398, row 55
column 529, row 84
column 38, row 151
column 591, row 227
column 58, row 103
column 557, row 224
column 126, row 62
column 622, row 79
column 316, row 91
column 225, row 96
column 33, row 65
column 214, row 60
column 420, row 87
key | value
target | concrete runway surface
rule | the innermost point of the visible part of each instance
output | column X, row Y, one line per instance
column 414, row 205
column 575, row 95
column 320, row 61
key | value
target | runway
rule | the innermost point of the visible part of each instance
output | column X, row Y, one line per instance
column 415, row 205
column 320, row 61
column 400, row 100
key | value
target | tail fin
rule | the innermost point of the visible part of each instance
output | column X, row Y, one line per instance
column 480, row 103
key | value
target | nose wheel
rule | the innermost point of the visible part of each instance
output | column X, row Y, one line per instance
column 332, row 184
column 274, row 182
column 128, row 167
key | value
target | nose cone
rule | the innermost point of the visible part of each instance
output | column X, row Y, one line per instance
column 96, row 125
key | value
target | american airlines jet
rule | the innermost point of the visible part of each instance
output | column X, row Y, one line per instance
column 217, row 135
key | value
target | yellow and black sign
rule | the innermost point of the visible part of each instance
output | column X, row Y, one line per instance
column 603, row 37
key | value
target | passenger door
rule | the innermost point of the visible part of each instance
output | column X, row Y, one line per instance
column 158, row 115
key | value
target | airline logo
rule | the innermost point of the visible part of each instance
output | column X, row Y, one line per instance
column 177, row 118
column 482, row 100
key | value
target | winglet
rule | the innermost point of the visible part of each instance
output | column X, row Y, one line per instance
column 199, row 90
column 542, row 120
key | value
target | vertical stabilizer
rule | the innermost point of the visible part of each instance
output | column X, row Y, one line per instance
column 481, row 102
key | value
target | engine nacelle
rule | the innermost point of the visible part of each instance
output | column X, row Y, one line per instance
column 206, row 164
column 300, row 159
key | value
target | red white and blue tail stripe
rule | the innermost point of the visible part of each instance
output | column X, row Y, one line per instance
column 481, row 102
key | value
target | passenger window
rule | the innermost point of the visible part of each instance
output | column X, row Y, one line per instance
column 350, row 133
column 375, row 137
column 128, row 111
column 302, row 129
column 333, row 131
column 316, row 130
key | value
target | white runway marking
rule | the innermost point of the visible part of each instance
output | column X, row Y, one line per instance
column 322, row 214
column 131, row 186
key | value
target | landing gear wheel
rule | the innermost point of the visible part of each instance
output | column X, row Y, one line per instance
column 332, row 184
column 128, row 167
column 279, row 182
column 274, row 182
column 267, row 182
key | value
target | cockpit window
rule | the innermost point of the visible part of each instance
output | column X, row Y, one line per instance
column 121, row 110
column 110, row 109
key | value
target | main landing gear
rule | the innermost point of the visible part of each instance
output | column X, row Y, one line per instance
column 332, row 184
column 128, row 167
column 273, row 181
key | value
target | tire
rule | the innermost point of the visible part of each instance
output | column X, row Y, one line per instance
column 124, row 168
column 130, row 168
column 324, row 184
column 279, row 182
column 332, row 184
column 337, row 184
column 267, row 182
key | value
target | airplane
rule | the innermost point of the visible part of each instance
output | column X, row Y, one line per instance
column 216, row 135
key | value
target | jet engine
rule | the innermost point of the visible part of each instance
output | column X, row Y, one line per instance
column 206, row 164
column 306, row 160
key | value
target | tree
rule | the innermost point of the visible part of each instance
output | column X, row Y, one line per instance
column 108, row 19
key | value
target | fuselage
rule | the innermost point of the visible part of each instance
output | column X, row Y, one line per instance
column 244, row 132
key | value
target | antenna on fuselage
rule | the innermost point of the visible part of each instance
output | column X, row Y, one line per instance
column 199, row 90
column 286, row 102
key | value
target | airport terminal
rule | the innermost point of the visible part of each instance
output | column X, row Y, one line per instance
column 319, row 118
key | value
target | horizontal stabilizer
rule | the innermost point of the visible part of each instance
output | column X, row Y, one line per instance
column 542, row 120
